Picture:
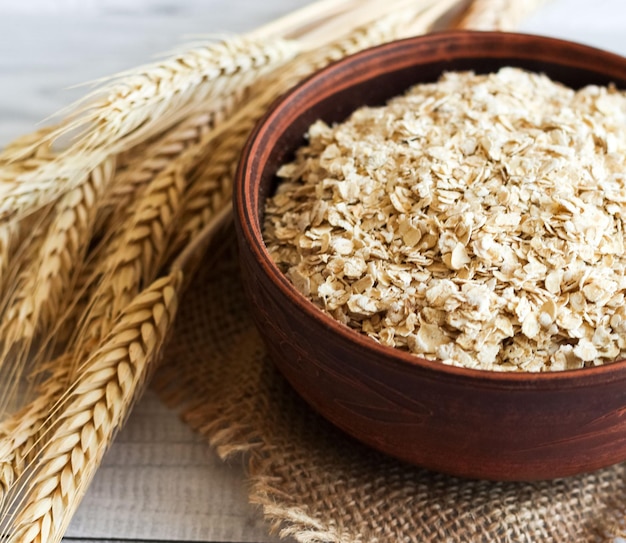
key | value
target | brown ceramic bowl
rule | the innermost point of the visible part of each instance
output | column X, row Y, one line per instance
column 503, row 426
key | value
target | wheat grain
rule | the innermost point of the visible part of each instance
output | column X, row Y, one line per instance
column 212, row 185
column 497, row 14
column 12, row 170
column 109, row 382
column 32, row 145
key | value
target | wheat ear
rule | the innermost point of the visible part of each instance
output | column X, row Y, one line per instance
column 138, row 105
column 135, row 257
column 22, row 156
column 129, row 209
column 129, row 253
column 50, row 275
column 95, row 407
column 68, row 239
column 212, row 185
column 23, row 159
column 45, row 283
column 25, row 191
column 24, row 240
column 135, row 250
column 20, row 432
column 497, row 14
column 141, row 103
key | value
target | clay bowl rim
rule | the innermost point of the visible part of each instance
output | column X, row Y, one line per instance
column 251, row 229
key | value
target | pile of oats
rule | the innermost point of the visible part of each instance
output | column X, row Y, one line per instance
column 478, row 220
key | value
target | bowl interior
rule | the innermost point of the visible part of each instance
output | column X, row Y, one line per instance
column 371, row 78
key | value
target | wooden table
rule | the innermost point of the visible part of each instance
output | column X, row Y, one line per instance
column 160, row 482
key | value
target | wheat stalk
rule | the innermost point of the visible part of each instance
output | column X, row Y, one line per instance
column 497, row 14
column 212, row 185
column 322, row 22
column 96, row 406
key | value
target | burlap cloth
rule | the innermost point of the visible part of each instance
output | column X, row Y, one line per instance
column 318, row 485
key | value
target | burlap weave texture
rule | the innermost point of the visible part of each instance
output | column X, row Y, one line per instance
column 318, row 485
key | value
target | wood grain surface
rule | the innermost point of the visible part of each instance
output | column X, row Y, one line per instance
column 160, row 481
column 47, row 46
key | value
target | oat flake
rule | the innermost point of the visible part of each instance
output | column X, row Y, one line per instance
column 478, row 220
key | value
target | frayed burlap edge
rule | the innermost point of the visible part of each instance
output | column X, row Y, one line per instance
column 317, row 485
